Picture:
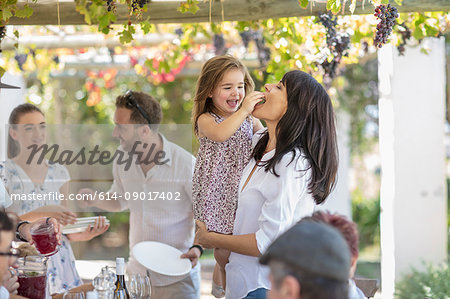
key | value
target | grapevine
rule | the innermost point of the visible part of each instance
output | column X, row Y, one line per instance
column 2, row 34
column 337, row 42
column 405, row 36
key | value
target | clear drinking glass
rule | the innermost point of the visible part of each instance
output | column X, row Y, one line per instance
column 134, row 285
column 146, row 288
column 73, row 295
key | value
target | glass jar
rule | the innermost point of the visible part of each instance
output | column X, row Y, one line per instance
column 32, row 277
column 44, row 237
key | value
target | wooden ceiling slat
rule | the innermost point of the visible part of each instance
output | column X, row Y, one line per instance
column 45, row 13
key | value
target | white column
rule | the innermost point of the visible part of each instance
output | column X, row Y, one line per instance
column 339, row 200
column 9, row 98
column 413, row 190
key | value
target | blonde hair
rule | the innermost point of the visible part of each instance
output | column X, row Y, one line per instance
column 212, row 73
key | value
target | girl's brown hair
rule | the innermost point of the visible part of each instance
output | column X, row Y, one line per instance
column 13, row 146
column 212, row 73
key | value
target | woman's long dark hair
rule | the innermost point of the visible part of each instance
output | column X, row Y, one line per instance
column 308, row 125
column 13, row 146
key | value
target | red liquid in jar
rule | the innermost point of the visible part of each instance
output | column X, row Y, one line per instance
column 45, row 243
column 32, row 287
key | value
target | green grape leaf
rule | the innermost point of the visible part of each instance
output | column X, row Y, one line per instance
column 6, row 14
column 334, row 5
column 430, row 30
column 2, row 71
column 189, row 6
column 418, row 33
column 146, row 26
column 16, row 33
column 25, row 12
column 125, row 37
column 424, row 51
column 303, row 3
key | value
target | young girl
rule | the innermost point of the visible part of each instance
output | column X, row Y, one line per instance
column 20, row 176
column 224, row 125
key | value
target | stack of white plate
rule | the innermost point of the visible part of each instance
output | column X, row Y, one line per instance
column 81, row 225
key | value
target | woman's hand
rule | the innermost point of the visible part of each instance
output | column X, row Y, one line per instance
column 97, row 229
column 10, row 282
column 24, row 230
column 63, row 215
column 202, row 236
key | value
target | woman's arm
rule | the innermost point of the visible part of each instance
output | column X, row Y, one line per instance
column 97, row 229
column 61, row 214
column 242, row 244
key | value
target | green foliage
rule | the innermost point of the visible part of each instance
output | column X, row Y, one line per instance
column 357, row 92
column 448, row 216
column 334, row 5
column 433, row 283
column 366, row 214
column 303, row 3
column 189, row 6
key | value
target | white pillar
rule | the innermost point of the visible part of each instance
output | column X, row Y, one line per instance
column 339, row 200
column 9, row 98
column 413, row 190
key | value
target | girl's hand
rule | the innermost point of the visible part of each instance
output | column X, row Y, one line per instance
column 97, row 229
column 251, row 100
column 202, row 236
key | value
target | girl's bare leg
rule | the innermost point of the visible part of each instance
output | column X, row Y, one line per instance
column 221, row 256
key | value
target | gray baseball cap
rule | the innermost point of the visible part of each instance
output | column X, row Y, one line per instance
column 314, row 248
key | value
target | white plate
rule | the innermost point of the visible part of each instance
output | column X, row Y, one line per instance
column 79, row 226
column 161, row 258
column 73, row 230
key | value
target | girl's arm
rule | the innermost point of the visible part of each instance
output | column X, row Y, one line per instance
column 242, row 244
column 208, row 127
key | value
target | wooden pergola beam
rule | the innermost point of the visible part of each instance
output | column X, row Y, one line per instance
column 46, row 11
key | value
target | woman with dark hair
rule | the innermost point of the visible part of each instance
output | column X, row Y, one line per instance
column 293, row 166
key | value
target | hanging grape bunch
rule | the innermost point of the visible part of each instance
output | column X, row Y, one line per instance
column 138, row 5
column 219, row 44
column 2, row 34
column 337, row 42
column 263, row 50
column 387, row 16
column 111, row 6
column 21, row 59
column 246, row 37
column 405, row 35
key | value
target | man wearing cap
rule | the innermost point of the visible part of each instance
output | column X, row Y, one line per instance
column 309, row 261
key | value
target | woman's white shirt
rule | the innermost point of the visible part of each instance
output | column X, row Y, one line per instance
column 4, row 294
column 267, row 206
